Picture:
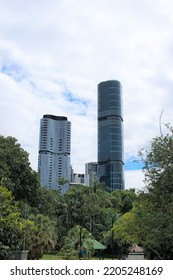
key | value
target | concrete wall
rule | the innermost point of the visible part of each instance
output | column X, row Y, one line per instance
column 135, row 256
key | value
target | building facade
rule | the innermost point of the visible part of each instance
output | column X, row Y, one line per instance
column 91, row 173
column 54, row 151
column 78, row 179
column 110, row 135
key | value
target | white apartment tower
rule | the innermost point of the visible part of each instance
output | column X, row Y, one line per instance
column 54, row 151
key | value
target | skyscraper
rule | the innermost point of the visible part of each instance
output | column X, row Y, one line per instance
column 110, row 135
column 54, row 151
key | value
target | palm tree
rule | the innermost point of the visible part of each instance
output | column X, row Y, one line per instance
column 62, row 181
column 44, row 237
column 73, row 242
column 95, row 200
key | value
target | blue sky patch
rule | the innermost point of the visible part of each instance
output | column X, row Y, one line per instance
column 71, row 98
column 13, row 71
column 133, row 164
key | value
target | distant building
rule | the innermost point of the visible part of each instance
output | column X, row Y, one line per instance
column 71, row 174
column 136, row 253
column 54, row 151
column 110, row 135
column 78, row 179
column 91, row 173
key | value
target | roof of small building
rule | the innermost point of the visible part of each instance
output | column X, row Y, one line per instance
column 90, row 243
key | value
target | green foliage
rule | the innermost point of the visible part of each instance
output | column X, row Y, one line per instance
column 148, row 217
column 155, row 227
column 5, row 252
column 125, row 228
column 12, row 226
column 43, row 238
column 43, row 218
column 85, row 205
column 68, row 253
column 15, row 171
column 155, row 207
column 62, row 181
column 73, row 242
column 34, row 231
column 123, row 200
column 47, row 202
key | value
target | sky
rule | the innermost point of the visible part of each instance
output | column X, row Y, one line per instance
column 53, row 54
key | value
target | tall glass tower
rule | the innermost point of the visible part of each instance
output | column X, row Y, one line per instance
column 110, row 135
column 54, row 151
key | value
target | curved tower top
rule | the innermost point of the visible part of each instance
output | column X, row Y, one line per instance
column 109, row 99
column 57, row 118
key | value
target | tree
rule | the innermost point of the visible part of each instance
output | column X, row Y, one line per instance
column 46, row 202
column 96, row 200
column 125, row 228
column 155, row 208
column 155, row 228
column 62, row 181
column 37, row 233
column 15, row 171
column 74, row 206
column 12, row 226
column 92, row 207
column 123, row 200
column 44, row 237
column 73, row 242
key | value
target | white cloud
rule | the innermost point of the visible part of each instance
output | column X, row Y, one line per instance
column 72, row 45
column 134, row 179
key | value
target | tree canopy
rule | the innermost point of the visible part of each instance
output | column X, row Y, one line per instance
column 47, row 219
column 12, row 226
column 15, row 171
